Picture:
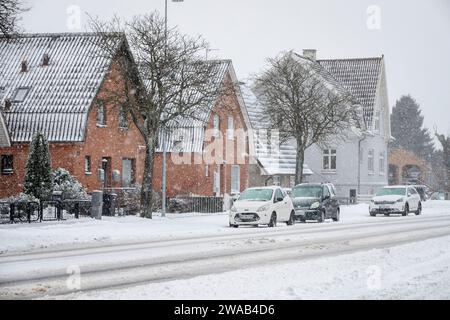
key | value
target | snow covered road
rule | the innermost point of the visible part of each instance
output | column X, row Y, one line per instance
column 213, row 252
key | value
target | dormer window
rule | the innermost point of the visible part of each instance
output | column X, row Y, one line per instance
column 21, row 94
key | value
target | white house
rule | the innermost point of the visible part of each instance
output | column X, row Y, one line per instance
column 357, row 165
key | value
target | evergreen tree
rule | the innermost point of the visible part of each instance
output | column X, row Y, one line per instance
column 38, row 171
column 407, row 128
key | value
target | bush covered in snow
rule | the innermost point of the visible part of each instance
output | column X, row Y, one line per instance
column 68, row 184
column 21, row 197
column 130, row 200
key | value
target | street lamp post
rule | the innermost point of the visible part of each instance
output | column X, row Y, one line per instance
column 164, row 164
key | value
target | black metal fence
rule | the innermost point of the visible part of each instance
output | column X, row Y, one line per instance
column 11, row 212
column 195, row 204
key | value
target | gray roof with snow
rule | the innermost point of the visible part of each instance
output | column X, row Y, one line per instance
column 187, row 134
column 56, row 97
column 360, row 77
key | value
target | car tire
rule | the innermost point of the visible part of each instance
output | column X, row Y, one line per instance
column 273, row 220
column 291, row 220
column 372, row 214
column 405, row 213
column 386, row 214
column 321, row 219
column 419, row 209
column 338, row 216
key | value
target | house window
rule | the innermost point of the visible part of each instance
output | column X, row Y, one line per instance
column 235, row 179
column 87, row 165
column 216, row 126
column 377, row 121
column 128, row 172
column 329, row 160
column 123, row 121
column 230, row 130
column 7, row 164
column 21, row 94
column 370, row 161
column 207, row 171
column 101, row 114
column 276, row 180
column 382, row 163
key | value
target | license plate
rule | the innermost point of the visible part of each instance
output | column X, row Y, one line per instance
column 246, row 216
column 300, row 213
column 383, row 206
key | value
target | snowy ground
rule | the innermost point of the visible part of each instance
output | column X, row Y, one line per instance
column 196, row 256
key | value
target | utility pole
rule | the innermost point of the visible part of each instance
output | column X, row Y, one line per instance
column 164, row 164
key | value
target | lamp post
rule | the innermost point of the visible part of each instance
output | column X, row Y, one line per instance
column 164, row 164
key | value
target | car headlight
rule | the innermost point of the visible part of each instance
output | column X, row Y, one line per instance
column 401, row 200
column 233, row 209
column 315, row 205
column 263, row 208
column 373, row 201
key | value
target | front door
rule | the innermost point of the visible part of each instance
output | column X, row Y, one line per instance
column 106, row 166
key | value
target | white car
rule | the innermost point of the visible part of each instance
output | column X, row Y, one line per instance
column 265, row 205
column 396, row 200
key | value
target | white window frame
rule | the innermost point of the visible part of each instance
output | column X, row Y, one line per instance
column 235, row 179
column 207, row 170
column 377, row 121
column 101, row 106
column 123, row 119
column 329, row 154
column 230, row 129
column 88, row 165
column 371, row 161
column 216, row 125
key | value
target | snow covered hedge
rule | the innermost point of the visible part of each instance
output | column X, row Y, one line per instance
column 66, row 183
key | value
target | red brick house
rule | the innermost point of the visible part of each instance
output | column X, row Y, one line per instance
column 223, row 120
column 56, row 83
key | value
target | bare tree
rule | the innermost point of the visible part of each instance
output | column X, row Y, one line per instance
column 10, row 11
column 299, row 103
column 167, row 80
column 445, row 142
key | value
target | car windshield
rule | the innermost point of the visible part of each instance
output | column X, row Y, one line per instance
column 307, row 192
column 256, row 195
column 392, row 192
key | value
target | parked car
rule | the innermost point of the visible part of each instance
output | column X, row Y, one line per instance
column 439, row 195
column 422, row 190
column 265, row 205
column 315, row 201
column 396, row 200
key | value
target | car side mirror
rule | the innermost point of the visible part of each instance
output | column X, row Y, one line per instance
column 279, row 200
column 325, row 198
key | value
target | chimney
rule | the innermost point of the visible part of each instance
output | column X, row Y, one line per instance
column 310, row 54
column 24, row 66
column 45, row 60
column 7, row 104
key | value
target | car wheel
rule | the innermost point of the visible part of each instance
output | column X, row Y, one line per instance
column 273, row 220
column 338, row 216
column 419, row 209
column 321, row 217
column 405, row 213
column 291, row 220
column 386, row 214
column 372, row 214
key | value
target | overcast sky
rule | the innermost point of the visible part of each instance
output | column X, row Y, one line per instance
column 414, row 36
